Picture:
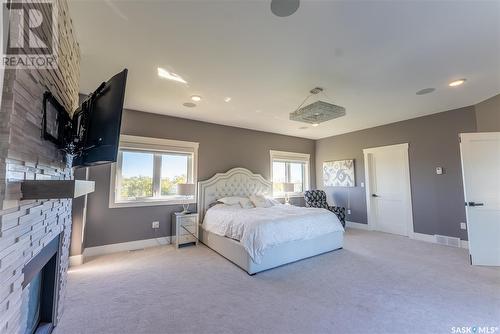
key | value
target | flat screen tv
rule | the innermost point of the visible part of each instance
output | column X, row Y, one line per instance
column 97, row 123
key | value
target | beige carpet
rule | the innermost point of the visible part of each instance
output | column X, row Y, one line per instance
column 379, row 283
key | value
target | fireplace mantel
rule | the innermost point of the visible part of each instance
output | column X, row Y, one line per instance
column 52, row 189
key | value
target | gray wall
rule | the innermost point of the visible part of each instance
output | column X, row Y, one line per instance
column 438, row 202
column 78, row 208
column 221, row 148
column 488, row 115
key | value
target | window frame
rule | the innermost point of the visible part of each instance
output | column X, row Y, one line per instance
column 291, row 157
column 157, row 147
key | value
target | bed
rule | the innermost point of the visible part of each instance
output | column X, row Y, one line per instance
column 259, row 239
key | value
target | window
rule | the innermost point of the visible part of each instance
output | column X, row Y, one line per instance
column 289, row 167
column 148, row 171
column 136, row 179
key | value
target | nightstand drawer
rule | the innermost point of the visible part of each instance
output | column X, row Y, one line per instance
column 191, row 227
column 188, row 220
column 185, row 238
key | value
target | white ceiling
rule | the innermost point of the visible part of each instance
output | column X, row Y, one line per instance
column 370, row 56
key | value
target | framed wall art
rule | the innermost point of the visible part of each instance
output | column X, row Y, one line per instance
column 339, row 173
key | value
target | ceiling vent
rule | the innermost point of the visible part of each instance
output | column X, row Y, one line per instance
column 317, row 112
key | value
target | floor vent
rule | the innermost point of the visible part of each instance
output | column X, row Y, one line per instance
column 447, row 241
column 136, row 250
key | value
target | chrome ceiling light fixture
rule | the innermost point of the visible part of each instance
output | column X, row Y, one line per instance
column 284, row 8
column 316, row 112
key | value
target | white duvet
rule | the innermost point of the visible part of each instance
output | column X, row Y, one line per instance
column 260, row 228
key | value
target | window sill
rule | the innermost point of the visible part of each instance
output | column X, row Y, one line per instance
column 131, row 204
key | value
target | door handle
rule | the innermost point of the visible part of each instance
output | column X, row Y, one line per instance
column 474, row 204
column 375, row 195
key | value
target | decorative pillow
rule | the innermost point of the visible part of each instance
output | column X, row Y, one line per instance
column 260, row 201
column 246, row 203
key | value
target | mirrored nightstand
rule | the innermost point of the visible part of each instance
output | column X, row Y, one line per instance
column 185, row 228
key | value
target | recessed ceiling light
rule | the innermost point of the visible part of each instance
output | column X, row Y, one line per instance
column 163, row 73
column 258, row 111
column 189, row 105
column 425, row 91
column 315, row 124
column 456, row 82
column 227, row 99
column 196, row 98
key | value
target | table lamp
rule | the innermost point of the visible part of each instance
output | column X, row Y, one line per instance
column 186, row 190
column 287, row 189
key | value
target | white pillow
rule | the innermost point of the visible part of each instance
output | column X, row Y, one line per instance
column 233, row 200
column 244, row 202
column 260, row 201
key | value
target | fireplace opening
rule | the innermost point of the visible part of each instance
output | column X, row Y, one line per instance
column 40, row 291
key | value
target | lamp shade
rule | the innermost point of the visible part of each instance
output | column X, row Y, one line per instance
column 288, row 187
column 185, row 189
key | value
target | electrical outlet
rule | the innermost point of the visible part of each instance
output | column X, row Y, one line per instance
column 155, row 224
column 463, row 226
column 362, row 184
column 348, row 211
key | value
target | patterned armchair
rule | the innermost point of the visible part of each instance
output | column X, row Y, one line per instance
column 317, row 199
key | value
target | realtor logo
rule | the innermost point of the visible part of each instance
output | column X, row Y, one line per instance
column 30, row 35
column 474, row 329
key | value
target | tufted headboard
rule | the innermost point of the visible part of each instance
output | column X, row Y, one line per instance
column 235, row 182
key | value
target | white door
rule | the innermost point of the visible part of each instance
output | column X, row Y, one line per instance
column 388, row 189
column 481, row 173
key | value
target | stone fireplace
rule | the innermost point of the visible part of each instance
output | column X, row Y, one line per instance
column 34, row 234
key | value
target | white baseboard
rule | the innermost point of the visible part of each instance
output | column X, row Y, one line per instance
column 416, row 236
column 358, row 226
column 75, row 260
column 125, row 246
column 432, row 239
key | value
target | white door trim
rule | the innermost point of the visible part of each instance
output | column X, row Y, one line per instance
column 367, row 161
